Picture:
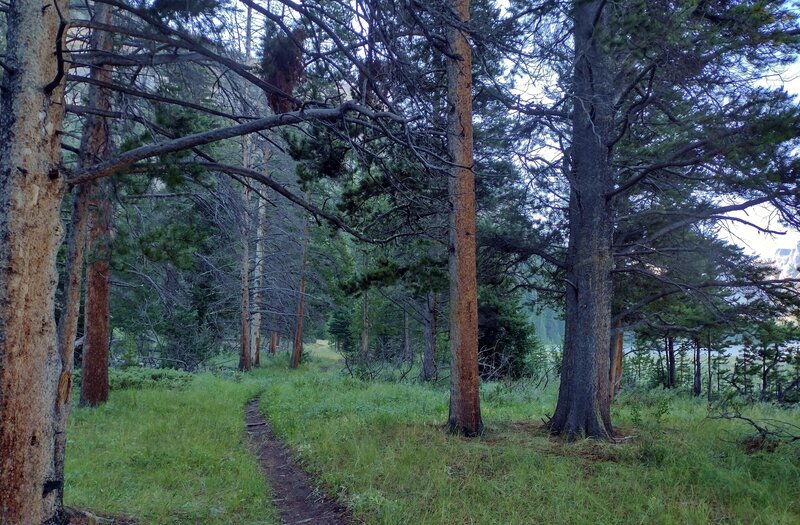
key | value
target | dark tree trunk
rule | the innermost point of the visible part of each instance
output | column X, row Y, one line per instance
column 710, row 373
column 465, row 407
column 428, row 372
column 670, row 352
column 583, row 407
column 697, row 385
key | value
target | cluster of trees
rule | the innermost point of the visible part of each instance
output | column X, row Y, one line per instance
column 376, row 168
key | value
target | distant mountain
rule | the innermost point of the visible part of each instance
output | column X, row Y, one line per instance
column 787, row 260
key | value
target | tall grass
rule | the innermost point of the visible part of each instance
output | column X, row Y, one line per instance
column 381, row 448
column 169, row 456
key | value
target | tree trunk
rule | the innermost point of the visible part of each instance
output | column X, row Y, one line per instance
column 298, row 335
column 710, row 372
column 408, row 355
column 583, row 407
column 95, row 147
column 428, row 372
column 365, row 326
column 465, row 410
column 68, row 329
column 696, row 386
column 244, row 349
column 273, row 342
column 31, row 187
column 616, row 361
column 258, row 282
column 670, row 351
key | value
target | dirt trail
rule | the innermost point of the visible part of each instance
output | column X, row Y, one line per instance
column 294, row 495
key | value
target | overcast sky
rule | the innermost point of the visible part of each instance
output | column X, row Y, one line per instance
column 753, row 241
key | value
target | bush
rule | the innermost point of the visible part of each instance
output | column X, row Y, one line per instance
column 140, row 378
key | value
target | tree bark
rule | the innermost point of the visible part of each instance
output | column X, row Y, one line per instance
column 365, row 326
column 670, row 352
column 244, row 349
column 428, row 372
column 298, row 334
column 583, row 407
column 616, row 360
column 94, row 380
column 696, row 384
column 273, row 343
column 408, row 355
column 258, row 281
column 31, row 187
column 710, row 372
column 465, row 410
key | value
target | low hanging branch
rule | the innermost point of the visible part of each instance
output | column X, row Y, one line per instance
column 120, row 162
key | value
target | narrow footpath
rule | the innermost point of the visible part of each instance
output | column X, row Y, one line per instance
column 294, row 495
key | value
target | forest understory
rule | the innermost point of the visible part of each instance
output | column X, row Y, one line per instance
column 179, row 455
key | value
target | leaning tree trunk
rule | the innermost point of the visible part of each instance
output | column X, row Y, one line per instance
column 95, row 146
column 298, row 334
column 583, row 407
column 465, row 408
column 428, row 372
column 31, row 187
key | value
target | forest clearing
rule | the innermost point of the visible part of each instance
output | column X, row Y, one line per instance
column 381, row 449
column 371, row 261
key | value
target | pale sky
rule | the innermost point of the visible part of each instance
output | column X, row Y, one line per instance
column 749, row 238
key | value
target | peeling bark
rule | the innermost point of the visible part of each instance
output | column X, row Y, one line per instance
column 31, row 188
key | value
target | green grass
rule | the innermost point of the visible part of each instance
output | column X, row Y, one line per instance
column 381, row 448
column 169, row 456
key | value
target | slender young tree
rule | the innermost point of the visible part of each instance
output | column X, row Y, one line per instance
column 465, row 410
column 298, row 333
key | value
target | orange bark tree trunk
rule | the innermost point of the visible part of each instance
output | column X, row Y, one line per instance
column 31, row 187
column 273, row 342
column 94, row 380
column 616, row 360
column 96, row 146
column 298, row 334
column 465, row 412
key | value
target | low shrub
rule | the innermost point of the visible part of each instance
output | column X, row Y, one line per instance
column 140, row 378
